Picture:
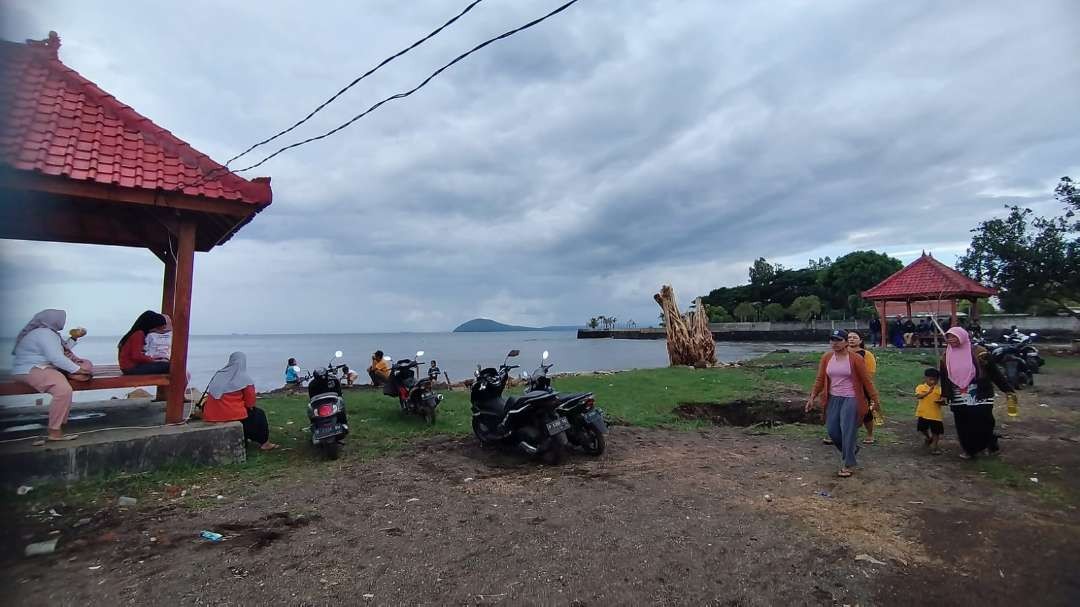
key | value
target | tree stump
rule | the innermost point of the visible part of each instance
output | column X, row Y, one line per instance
column 689, row 339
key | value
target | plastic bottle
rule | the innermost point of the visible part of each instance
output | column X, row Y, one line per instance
column 879, row 418
column 211, row 536
column 1012, row 405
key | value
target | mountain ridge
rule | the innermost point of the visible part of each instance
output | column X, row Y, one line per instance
column 486, row 325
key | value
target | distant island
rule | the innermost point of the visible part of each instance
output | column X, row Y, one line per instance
column 486, row 325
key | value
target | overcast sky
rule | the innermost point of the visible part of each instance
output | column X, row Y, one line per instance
column 572, row 169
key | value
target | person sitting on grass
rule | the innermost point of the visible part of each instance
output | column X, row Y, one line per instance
column 379, row 371
column 928, row 411
column 231, row 397
column 293, row 373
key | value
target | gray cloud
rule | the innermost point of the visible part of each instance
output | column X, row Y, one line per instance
column 569, row 170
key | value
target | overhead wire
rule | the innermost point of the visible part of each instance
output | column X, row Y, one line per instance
column 409, row 92
column 357, row 80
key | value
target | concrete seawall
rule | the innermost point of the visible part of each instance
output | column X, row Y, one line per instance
column 1054, row 328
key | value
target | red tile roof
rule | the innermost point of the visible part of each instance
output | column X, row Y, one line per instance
column 55, row 122
column 927, row 278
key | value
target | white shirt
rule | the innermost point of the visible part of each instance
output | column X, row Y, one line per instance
column 41, row 348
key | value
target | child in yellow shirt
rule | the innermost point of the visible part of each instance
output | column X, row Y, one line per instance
column 928, row 411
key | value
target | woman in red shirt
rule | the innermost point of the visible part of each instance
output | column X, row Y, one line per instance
column 132, row 347
column 231, row 397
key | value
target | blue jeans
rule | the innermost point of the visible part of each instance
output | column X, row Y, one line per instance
column 843, row 427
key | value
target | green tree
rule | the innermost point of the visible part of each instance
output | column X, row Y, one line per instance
column 985, row 307
column 856, row 272
column 717, row 313
column 1030, row 259
column 745, row 311
column 762, row 272
column 806, row 307
column 774, row 312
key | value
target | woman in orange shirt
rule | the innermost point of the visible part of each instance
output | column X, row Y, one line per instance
column 231, row 397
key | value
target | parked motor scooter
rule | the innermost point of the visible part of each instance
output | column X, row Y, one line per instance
column 587, row 425
column 529, row 423
column 326, row 409
column 414, row 396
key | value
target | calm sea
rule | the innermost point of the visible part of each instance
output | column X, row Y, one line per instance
column 457, row 353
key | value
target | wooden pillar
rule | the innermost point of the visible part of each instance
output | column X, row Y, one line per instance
column 974, row 316
column 168, row 294
column 181, row 316
column 952, row 309
column 884, row 324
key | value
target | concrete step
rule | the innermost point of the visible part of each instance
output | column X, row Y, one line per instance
column 121, row 450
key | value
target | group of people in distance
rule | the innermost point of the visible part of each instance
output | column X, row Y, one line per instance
column 964, row 381
column 379, row 371
column 905, row 333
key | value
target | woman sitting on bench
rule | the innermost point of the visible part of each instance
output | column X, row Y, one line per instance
column 42, row 362
column 132, row 346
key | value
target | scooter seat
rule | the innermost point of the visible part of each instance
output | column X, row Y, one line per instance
column 517, row 402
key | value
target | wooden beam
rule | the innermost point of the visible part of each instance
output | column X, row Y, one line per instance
column 953, row 312
column 181, row 316
column 884, row 324
column 92, row 190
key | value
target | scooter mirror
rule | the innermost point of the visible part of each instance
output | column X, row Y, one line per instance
column 512, row 353
column 419, row 353
column 545, row 355
column 339, row 354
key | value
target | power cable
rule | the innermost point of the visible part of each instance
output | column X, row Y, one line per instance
column 431, row 35
column 409, row 92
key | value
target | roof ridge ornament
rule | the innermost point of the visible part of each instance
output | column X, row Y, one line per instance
column 52, row 44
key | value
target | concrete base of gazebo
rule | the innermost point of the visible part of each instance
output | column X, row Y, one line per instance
column 121, row 450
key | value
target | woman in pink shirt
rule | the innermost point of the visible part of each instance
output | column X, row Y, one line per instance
column 846, row 391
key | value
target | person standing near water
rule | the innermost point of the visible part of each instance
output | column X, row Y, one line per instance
column 843, row 386
column 968, row 377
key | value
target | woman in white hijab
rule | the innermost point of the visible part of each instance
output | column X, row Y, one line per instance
column 231, row 397
column 42, row 363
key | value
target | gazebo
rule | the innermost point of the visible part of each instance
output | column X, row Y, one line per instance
column 926, row 279
column 79, row 166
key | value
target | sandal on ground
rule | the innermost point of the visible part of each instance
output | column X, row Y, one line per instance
column 827, row 440
column 844, row 473
column 966, row 455
column 868, row 441
column 935, row 452
column 268, row 446
column 63, row 438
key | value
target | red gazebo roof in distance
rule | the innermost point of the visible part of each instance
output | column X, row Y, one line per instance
column 927, row 278
column 55, row 122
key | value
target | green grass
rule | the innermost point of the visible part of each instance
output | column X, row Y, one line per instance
column 643, row 398
column 1004, row 473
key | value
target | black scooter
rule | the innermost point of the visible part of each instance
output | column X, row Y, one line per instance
column 414, row 396
column 326, row 409
column 529, row 423
column 587, row 425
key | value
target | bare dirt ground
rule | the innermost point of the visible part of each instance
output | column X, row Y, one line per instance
column 713, row 517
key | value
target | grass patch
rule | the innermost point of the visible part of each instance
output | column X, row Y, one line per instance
column 1004, row 473
column 645, row 397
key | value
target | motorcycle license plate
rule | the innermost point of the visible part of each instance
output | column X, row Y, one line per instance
column 557, row 426
column 596, row 418
column 327, row 431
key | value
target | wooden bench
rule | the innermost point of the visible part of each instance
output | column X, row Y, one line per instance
column 106, row 377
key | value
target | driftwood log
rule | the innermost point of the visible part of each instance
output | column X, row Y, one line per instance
column 689, row 339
